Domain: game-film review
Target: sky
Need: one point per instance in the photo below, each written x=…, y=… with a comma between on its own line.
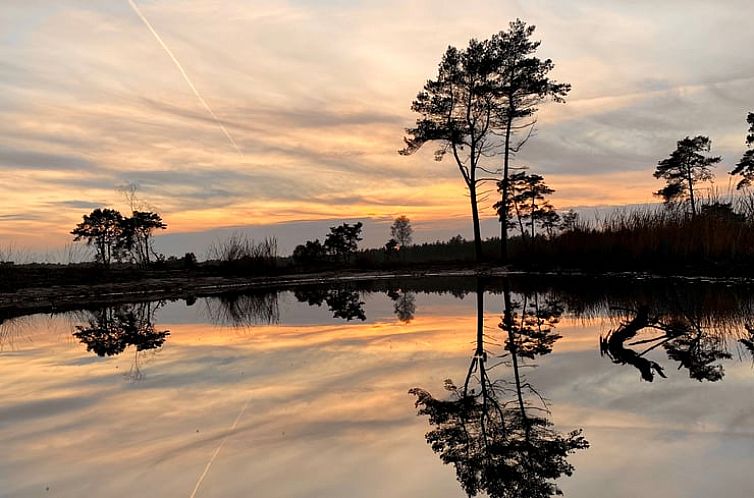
x=285, y=117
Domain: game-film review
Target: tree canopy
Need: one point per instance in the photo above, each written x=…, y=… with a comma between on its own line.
x=402, y=231
x=140, y=227
x=117, y=237
x=343, y=240
x=522, y=85
x=745, y=166
x=527, y=204
x=490, y=89
x=687, y=165
x=105, y=230
x=456, y=110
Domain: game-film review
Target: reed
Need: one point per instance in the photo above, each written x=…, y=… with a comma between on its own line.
x=240, y=252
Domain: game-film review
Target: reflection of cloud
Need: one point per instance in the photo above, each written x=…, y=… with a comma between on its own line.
x=330, y=401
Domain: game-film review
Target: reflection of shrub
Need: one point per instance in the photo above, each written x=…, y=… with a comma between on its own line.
x=244, y=309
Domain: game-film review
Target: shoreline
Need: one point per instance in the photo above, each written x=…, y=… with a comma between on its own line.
x=61, y=298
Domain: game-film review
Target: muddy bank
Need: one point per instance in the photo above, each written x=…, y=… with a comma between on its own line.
x=59, y=298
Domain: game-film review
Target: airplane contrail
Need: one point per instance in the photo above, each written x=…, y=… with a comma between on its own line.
x=185, y=75
x=219, y=447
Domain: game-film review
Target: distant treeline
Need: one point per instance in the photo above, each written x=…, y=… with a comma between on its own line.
x=718, y=239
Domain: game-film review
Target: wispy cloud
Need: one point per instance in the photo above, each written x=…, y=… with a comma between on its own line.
x=317, y=96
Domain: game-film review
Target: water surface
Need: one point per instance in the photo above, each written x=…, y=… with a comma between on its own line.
x=443, y=389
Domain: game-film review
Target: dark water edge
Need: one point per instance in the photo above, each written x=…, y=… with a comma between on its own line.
x=582, y=290
x=42, y=295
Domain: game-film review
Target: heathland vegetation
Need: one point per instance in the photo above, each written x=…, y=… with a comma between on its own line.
x=479, y=112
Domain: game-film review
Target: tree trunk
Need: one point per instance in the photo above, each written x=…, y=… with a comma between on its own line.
x=479, y=352
x=690, y=179
x=512, y=348
x=475, y=220
x=533, y=219
x=479, y=318
x=504, y=218
x=520, y=220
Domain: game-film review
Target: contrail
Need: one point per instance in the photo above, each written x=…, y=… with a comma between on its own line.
x=185, y=75
x=219, y=447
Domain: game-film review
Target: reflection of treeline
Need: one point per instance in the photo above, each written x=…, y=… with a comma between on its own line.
x=342, y=302
x=694, y=325
x=694, y=347
x=713, y=304
x=495, y=429
x=589, y=297
x=262, y=307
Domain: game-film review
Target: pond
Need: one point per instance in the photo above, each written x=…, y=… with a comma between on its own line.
x=515, y=387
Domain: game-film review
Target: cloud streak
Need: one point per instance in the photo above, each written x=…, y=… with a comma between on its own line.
x=185, y=75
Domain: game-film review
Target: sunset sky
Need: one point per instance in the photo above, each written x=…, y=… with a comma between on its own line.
x=307, y=101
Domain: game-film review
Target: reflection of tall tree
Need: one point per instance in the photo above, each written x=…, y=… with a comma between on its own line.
x=245, y=309
x=613, y=346
x=532, y=333
x=111, y=330
x=496, y=445
x=343, y=303
x=697, y=351
x=683, y=338
x=404, y=304
x=537, y=449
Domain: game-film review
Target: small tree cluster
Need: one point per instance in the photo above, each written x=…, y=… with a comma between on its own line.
x=401, y=235
x=340, y=243
x=343, y=240
x=527, y=205
x=119, y=238
x=483, y=96
x=311, y=252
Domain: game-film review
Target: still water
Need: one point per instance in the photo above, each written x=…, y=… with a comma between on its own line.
x=442, y=388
